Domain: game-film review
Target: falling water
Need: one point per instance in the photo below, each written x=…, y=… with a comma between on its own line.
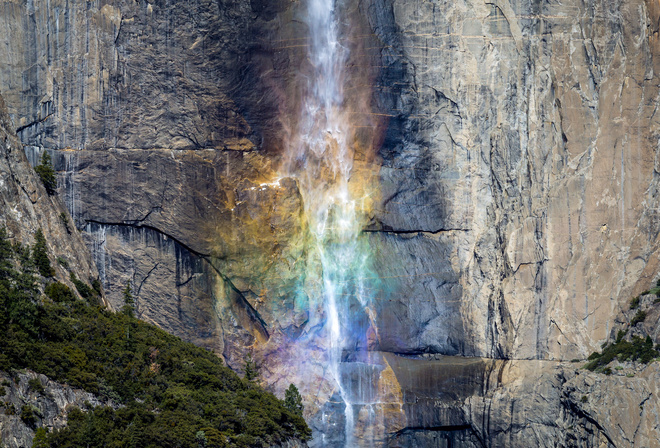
x=321, y=157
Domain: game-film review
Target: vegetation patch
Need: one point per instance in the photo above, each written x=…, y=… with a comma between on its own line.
x=85, y=291
x=639, y=349
x=35, y=385
x=46, y=173
x=30, y=415
x=634, y=303
x=173, y=394
x=40, y=255
x=640, y=316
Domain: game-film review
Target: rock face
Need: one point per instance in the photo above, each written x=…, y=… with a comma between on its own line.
x=517, y=174
x=523, y=135
x=50, y=406
x=25, y=207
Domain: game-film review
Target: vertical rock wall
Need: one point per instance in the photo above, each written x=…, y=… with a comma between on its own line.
x=522, y=134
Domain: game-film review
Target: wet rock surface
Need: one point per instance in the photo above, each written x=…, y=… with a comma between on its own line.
x=445, y=401
x=25, y=207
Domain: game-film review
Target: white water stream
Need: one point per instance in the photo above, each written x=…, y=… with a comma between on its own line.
x=321, y=158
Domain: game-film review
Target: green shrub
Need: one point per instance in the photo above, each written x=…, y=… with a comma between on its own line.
x=59, y=292
x=607, y=371
x=40, y=438
x=640, y=316
x=620, y=335
x=64, y=219
x=584, y=399
x=62, y=262
x=36, y=386
x=96, y=285
x=639, y=349
x=634, y=303
x=9, y=408
x=200, y=438
x=47, y=173
x=594, y=355
x=85, y=291
x=30, y=415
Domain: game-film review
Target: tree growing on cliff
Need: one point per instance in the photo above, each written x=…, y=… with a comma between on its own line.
x=129, y=302
x=46, y=173
x=250, y=368
x=293, y=400
x=6, y=255
x=40, y=255
x=40, y=439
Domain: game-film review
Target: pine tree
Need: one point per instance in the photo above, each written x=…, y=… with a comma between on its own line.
x=40, y=255
x=250, y=368
x=6, y=255
x=201, y=439
x=293, y=400
x=40, y=439
x=46, y=172
x=129, y=301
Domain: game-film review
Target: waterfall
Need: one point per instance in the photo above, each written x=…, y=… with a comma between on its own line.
x=321, y=157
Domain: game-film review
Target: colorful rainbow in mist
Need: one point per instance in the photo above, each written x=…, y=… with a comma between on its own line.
x=321, y=157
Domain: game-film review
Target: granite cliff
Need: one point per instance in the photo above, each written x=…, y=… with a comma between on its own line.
x=517, y=215
x=27, y=207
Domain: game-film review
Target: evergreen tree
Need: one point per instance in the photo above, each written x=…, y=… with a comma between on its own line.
x=250, y=368
x=201, y=439
x=129, y=301
x=40, y=439
x=24, y=256
x=46, y=172
x=40, y=255
x=6, y=255
x=18, y=289
x=293, y=400
x=85, y=291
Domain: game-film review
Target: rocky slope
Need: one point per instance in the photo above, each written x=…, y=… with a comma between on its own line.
x=517, y=173
x=49, y=406
x=25, y=207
